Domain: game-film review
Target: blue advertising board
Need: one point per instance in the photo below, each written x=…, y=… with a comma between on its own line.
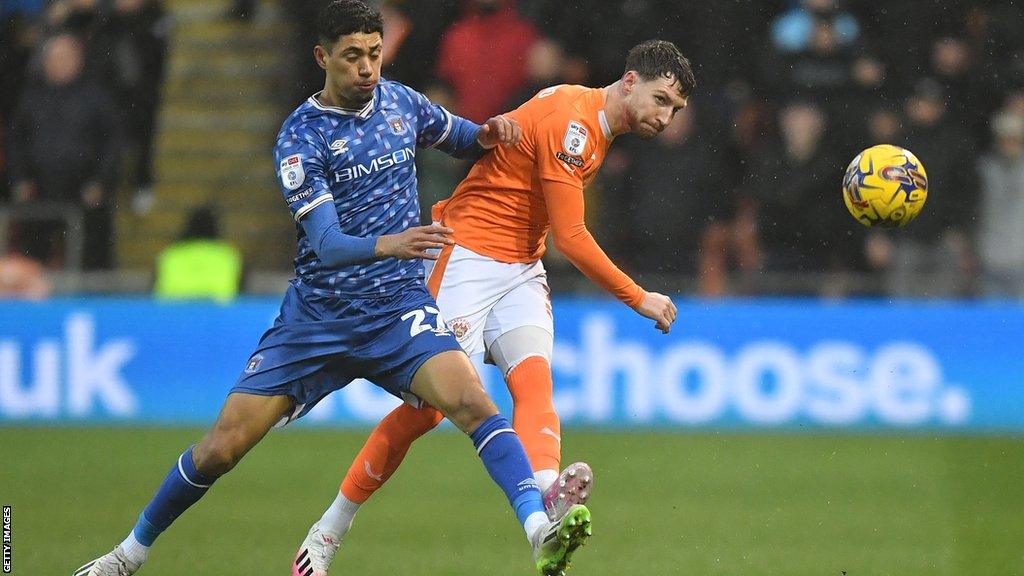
x=789, y=364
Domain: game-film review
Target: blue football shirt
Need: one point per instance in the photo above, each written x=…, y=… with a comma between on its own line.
x=363, y=161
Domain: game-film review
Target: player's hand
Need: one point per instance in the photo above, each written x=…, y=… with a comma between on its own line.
x=415, y=242
x=499, y=130
x=659, y=308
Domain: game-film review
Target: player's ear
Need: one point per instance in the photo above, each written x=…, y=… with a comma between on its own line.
x=320, y=54
x=629, y=80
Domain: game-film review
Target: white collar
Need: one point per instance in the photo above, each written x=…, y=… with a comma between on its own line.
x=603, y=120
x=363, y=112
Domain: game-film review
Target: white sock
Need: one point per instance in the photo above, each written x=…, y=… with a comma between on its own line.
x=338, y=518
x=534, y=522
x=545, y=478
x=135, y=551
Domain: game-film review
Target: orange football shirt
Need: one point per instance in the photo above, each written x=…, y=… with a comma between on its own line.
x=514, y=195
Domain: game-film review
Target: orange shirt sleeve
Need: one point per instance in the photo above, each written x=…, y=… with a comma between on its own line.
x=554, y=134
x=569, y=231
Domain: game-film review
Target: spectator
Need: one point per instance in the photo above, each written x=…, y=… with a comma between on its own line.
x=794, y=183
x=1001, y=217
x=931, y=257
x=482, y=56
x=22, y=277
x=200, y=265
x=65, y=148
x=544, y=68
x=412, y=33
x=671, y=206
x=969, y=97
x=134, y=39
x=794, y=30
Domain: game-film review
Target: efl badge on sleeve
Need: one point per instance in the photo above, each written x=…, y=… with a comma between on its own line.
x=292, y=174
x=575, y=139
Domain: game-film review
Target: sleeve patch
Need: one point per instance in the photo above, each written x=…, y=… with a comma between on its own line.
x=575, y=138
x=569, y=159
x=304, y=194
x=292, y=173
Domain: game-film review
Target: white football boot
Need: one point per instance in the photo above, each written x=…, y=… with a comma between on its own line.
x=315, y=555
x=113, y=563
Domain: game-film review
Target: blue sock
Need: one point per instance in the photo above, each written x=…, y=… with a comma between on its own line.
x=502, y=453
x=183, y=487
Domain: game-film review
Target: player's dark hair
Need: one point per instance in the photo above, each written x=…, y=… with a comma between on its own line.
x=662, y=59
x=343, y=17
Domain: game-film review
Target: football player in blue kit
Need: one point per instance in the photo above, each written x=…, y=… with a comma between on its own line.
x=358, y=307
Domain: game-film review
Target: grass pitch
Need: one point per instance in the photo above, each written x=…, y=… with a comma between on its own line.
x=703, y=504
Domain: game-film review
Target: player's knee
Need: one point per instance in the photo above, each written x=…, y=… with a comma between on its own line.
x=217, y=455
x=513, y=348
x=470, y=408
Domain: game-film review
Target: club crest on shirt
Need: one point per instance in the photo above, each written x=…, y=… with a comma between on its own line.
x=575, y=138
x=254, y=364
x=459, y=327
x=292, y=174
x=397, y=125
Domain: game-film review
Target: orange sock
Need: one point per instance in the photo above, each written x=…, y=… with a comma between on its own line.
x=534, y=416
x=385, y=449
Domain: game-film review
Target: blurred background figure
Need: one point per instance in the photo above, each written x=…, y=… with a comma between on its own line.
x=795, y=29
x=133, y=37
x=22, y=277
x=792, y=180
x=933, y=257
x=1001, y=214
x=930, y=86
x=65, y=147
x=200, y=265
x=483, y=57
x=545, y=66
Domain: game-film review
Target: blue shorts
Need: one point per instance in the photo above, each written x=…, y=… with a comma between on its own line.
x=318, y=345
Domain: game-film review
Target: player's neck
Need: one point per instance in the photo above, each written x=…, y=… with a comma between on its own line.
x=615, y=108
x=330, y=97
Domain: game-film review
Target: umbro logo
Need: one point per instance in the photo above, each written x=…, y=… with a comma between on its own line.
x=527, y=484
x=339, y=146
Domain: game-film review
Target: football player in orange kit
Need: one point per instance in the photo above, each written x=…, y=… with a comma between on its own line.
x=491, y=285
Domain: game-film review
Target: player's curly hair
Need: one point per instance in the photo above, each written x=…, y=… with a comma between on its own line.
x=660, y=58
x=342, y=17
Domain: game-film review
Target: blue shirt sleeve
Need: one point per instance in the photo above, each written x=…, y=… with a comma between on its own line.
x=332, y=246
x=439, y=128
x=301, y=162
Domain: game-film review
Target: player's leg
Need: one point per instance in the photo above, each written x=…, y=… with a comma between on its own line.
x=523, y=355
x=378, y=459
x=449, y=382
x=243, y=421
x=453, y=280
x=519, y=339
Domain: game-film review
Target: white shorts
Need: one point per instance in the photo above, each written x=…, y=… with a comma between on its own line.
x=482, y=298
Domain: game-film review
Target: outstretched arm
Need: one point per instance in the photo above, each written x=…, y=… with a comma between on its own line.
x=573, y=239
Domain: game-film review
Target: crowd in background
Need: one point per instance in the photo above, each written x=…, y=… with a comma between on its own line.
x=741, y=193
x=82, y=83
